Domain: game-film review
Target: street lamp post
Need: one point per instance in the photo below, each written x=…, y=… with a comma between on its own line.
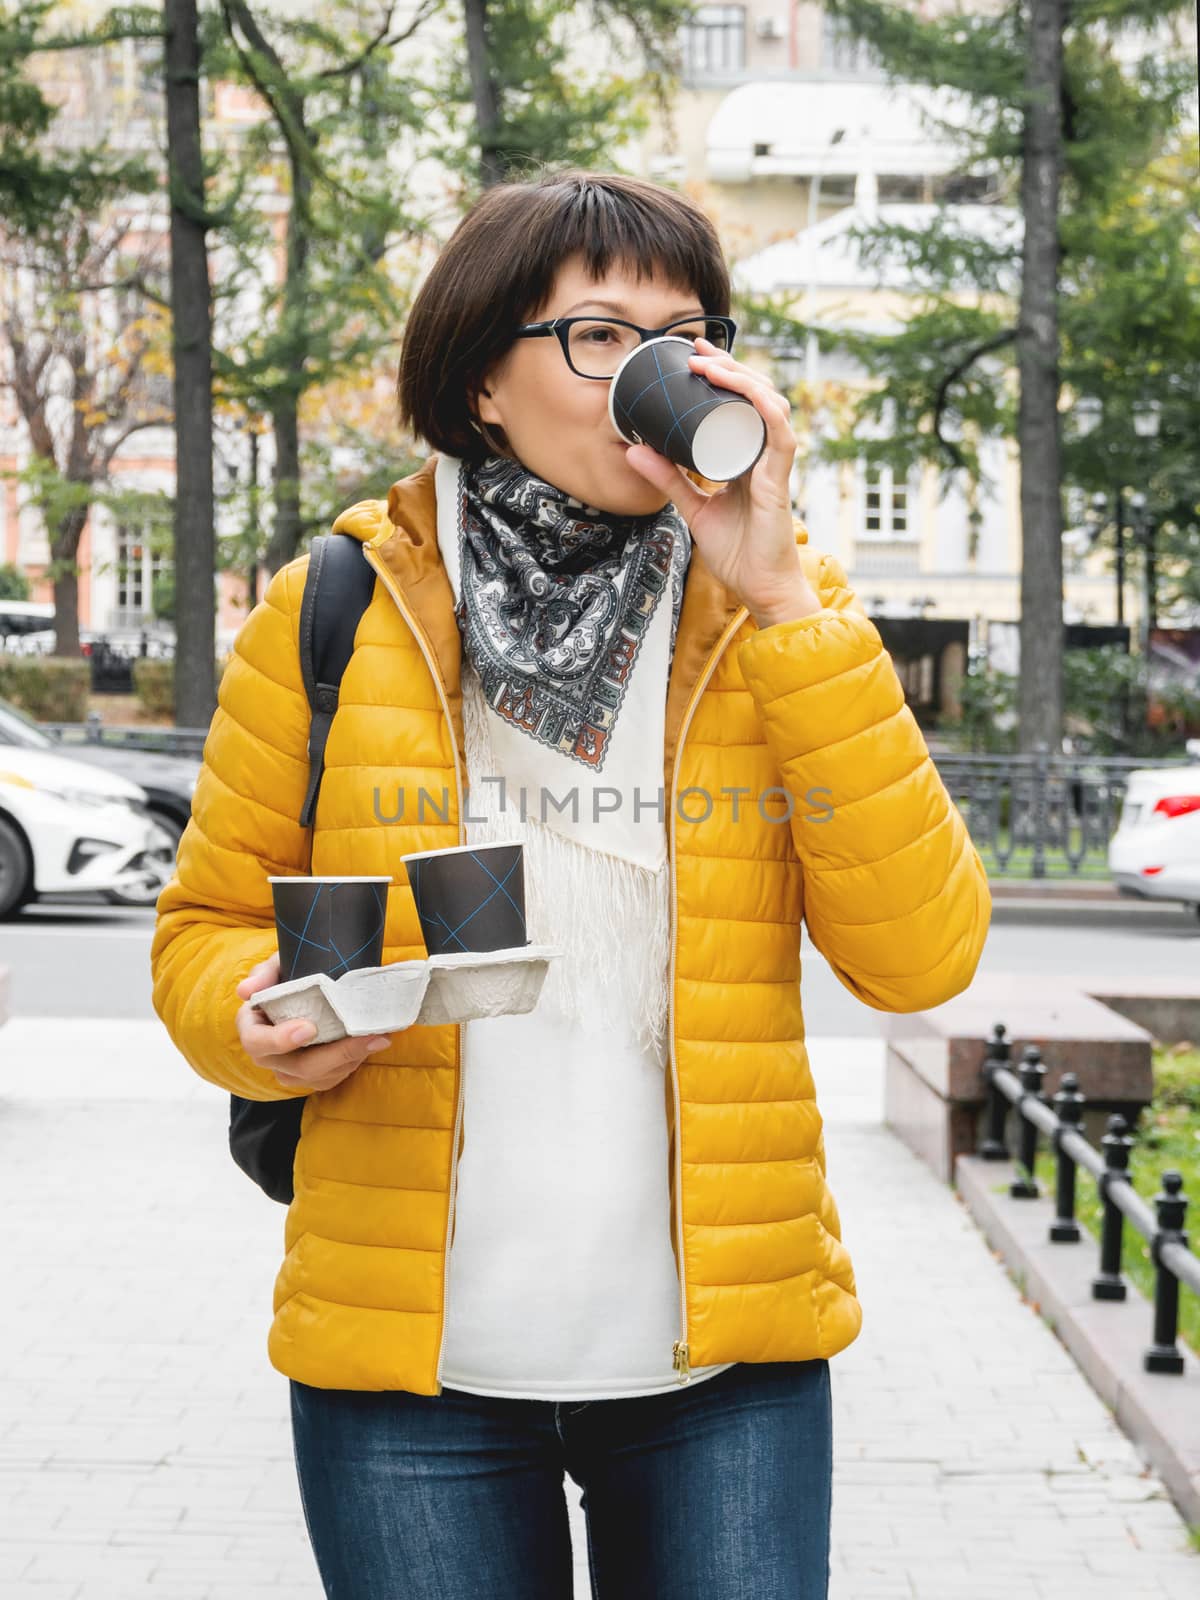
x=1146, y=417
x=1089, y=414
x=814, y=213
x=1144, y=531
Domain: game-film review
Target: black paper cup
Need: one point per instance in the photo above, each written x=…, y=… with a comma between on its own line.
x=332, y=925
x=655, y=398
x=469, y=897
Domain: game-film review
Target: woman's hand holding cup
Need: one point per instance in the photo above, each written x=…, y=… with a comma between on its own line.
x=281, y=1047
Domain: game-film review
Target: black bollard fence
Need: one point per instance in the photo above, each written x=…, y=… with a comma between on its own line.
x=1068, y=1104
x=1162, y=1226
x=1109, y=1284
x=999, y=1051
x=1033, y=1073
x=1170, y=1207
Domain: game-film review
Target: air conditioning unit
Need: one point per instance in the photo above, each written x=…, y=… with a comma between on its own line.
x=769, y=28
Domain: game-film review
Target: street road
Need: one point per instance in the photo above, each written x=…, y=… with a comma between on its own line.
x=76, y=960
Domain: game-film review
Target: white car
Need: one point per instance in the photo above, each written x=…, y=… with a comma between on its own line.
x=66, y=827
x=1155, y=852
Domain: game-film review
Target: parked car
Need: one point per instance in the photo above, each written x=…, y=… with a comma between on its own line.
x=26, y=627
x=166, y=783
x=66, y=827
x=1155, y=852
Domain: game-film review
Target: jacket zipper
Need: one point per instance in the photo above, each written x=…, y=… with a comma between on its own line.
x=679, y=1350
x=419, y=635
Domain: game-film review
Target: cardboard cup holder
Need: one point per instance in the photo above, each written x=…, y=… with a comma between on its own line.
x=437, y=990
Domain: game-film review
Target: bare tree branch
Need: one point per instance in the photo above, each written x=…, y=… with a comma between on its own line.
x=427, y=9
x=111, y=446
x=288, y=115
x=949, y=379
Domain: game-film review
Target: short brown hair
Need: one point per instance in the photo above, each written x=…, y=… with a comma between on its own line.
x=500, y=264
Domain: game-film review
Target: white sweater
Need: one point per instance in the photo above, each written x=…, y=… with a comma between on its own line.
x=562, y=1279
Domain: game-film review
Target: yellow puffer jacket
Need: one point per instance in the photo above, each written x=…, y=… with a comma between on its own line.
x=884, y=875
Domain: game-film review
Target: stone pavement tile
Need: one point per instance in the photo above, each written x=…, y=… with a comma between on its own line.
x=100, y=1589
x=16, y=1555
x=955, y=1587
x=890, y=1587
x=239, y=1591
x=71, y=1564
x=44, y=1591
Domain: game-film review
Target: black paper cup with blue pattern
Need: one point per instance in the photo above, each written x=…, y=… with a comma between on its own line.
x=469, y=898
x=331, y=925
x=655, y=398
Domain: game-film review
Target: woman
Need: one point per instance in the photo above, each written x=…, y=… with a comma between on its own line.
x=596, y=1239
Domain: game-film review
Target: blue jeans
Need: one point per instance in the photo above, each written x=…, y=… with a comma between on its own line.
x=719, y=1491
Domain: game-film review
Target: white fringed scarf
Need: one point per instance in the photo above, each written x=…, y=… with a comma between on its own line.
x=598, y=889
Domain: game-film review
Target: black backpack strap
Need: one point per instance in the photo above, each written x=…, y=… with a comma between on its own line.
x=337, y=590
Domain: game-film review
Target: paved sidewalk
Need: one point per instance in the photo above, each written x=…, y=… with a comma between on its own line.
x=144, y=1448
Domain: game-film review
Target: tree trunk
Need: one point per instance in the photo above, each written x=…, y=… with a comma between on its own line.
x=484, y=93
x=1040, y=692
x=64, y=555
x=285, y=535
x=252, y=555
x=285, y=414
x=191, y=310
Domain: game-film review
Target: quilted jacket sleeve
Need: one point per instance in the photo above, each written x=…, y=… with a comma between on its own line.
x=896, y=897
x=215, y=916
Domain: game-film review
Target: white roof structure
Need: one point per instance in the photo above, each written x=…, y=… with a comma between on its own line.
x=834, y=127
x=827, y=256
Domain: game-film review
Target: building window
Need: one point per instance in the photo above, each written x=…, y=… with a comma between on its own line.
x=896, y=188
x=842, y=53
x=965, y=188
x=137, y=568
x=886, y=505
x=713, y=42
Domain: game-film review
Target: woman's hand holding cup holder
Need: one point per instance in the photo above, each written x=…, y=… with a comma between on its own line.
x=283, y=1047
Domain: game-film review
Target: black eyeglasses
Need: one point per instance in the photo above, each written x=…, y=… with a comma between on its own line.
x=595, y=347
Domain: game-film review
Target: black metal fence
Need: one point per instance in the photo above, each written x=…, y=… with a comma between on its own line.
x=1161, y=1227
x=111, y=668
x=1042, y=815
x=165, y=741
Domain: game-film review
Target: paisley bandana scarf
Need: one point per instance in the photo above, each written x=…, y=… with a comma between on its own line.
x=556, y=599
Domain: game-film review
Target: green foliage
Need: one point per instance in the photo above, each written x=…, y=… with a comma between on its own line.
x=1129, y=306
x=162, y=596
x=987, y=722
x=14, y=585
x=334, y=124
x=1177, y=1076
x=50, y=688
x=1108, y=696
x=555, y=110
x=1132, y=336
x=58, y=498
x=40, y=184
x=154, y=686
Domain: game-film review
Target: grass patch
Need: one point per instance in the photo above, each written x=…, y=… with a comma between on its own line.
x=1167, y=1136
x=1093, y=868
